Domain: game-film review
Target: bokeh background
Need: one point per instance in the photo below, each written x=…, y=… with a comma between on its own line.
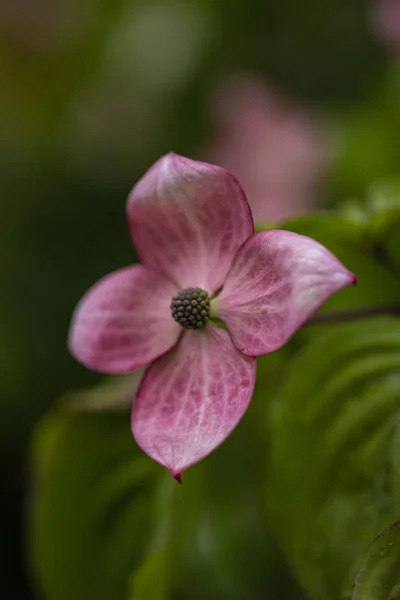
x=300, y=100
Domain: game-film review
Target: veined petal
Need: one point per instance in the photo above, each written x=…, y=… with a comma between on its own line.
x=124, y=321
x=191, y=399
x=276, y=281
x=187, y=220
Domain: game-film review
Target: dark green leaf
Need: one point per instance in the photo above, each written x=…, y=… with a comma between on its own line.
x=128, y=530
x=93, y=504
x=333, y=473
x=379, y=576
x=152, y=579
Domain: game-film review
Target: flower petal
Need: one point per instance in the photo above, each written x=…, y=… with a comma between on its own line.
x=188, y=219
x=191, y=399
x=277, y=280
x=124, y=321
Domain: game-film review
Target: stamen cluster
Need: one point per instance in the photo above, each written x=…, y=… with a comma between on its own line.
x=191, y=308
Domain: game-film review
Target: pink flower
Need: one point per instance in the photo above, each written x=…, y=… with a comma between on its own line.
x=277, y=150
x=201, y=260
x=386, y=22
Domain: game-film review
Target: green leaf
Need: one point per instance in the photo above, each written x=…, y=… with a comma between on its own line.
x=391, y=239
x=379, y=576
x=152, y=579
x=115, y=394
x=379, y=216
x=333, y=473
x=107, y=522
x=370, y=138
x=392, y=246
x=93, y=503
x=328, y=225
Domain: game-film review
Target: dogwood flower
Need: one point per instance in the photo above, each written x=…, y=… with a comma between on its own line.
x=386, y=23
x=202, y=264
x=277, y=150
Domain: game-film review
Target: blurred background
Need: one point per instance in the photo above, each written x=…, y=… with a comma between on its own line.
x=300, y=100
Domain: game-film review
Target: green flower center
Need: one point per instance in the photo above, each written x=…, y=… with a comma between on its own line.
x=191, y=308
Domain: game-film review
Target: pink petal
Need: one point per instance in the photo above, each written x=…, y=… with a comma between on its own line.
x=191, y=399
x=188, y=219
x=277, y=280
x=124, y=321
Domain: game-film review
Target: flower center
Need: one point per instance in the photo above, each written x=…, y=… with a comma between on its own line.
x=191, y=308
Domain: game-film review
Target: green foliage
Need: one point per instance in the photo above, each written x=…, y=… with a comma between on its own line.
x=367, y=244
x=334, y=459
x=93, y=486
x=371, y=139
x=379, y=576
x=38, y=91
x=330, y=400
x=153, y=577
x=92, y=93
x=128, y=530
x=376, y=284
